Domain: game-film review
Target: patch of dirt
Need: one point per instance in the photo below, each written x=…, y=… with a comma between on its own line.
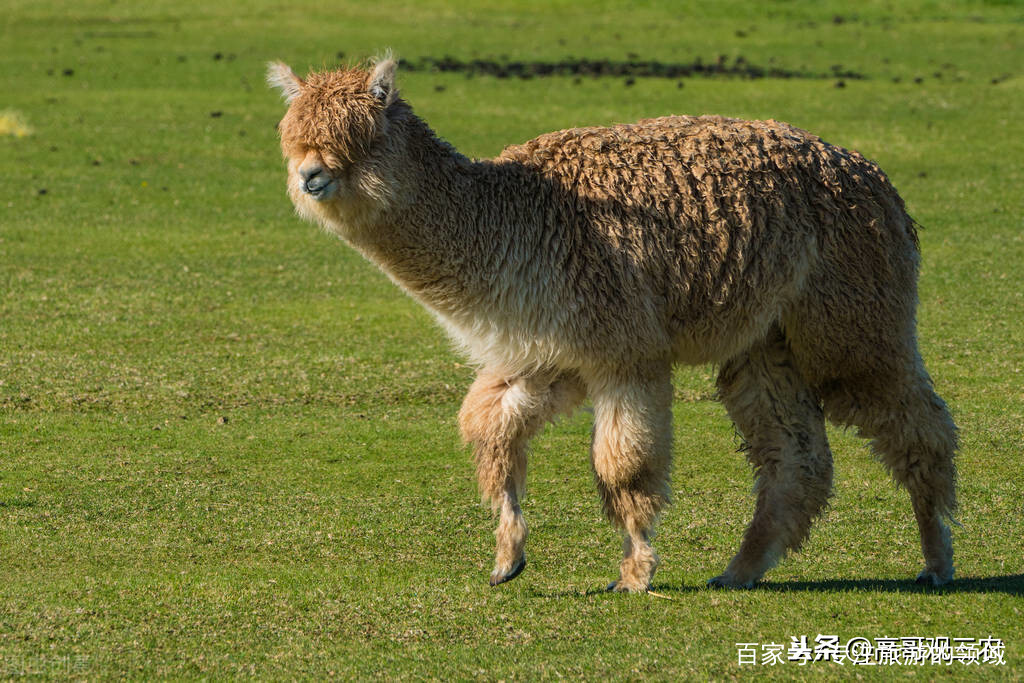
x=504, y=67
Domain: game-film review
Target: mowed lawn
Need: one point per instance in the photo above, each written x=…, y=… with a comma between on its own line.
x=228, y=445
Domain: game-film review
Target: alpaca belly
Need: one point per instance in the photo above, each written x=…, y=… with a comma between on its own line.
x=514, y=351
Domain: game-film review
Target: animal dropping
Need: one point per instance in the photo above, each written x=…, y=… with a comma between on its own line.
x=586, y=262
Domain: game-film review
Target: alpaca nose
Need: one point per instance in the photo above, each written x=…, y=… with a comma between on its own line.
x=314, y=178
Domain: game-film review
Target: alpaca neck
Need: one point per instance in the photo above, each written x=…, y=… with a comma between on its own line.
x=445, y=237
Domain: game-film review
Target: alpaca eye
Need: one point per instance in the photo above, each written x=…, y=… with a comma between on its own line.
x=379, y=92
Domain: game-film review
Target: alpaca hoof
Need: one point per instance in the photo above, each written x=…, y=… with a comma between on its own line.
x=621, y=586
x=929, y=577
x=725, y=581
x=500, y=577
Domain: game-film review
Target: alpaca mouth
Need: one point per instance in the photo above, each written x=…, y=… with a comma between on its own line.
x=320, y=191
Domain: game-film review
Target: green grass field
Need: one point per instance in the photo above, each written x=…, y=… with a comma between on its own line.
x=228, y=445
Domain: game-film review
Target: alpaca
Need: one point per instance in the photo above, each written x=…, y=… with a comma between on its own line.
x=585, y=262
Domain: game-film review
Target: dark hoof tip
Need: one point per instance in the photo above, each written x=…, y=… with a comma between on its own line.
x=718, y=582
x=498, y=579
x=928, y=578
x=721, y=581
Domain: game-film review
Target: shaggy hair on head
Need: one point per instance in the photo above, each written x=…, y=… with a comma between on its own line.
x=586, y=262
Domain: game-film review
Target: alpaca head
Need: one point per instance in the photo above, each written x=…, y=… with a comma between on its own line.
x=334, y=124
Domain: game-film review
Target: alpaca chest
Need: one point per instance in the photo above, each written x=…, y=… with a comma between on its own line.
x=515, y=348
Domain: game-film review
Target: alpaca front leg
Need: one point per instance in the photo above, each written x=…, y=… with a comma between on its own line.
x=501, y=473
x=631, y=456
x=499, y=416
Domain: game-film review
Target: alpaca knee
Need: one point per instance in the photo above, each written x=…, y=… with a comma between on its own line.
x=919, y=452
x=500, y=469
x=635, y=507
x=929, y=478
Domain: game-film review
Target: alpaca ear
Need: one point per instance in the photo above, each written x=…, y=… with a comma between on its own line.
x=382, y=80
x=281, y=76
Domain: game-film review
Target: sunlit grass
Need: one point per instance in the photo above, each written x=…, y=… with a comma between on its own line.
x=227, y=443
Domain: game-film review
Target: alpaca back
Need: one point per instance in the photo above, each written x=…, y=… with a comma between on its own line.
x=711, y=226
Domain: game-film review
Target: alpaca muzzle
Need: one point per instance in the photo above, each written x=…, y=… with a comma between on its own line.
x=315, y=182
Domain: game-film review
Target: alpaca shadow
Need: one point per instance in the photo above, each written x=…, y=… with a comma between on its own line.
x=1010, y=585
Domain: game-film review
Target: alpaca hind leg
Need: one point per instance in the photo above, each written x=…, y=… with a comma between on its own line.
x=631, y=457
x=782, y=423
x=499, y=416
x=914, y=436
